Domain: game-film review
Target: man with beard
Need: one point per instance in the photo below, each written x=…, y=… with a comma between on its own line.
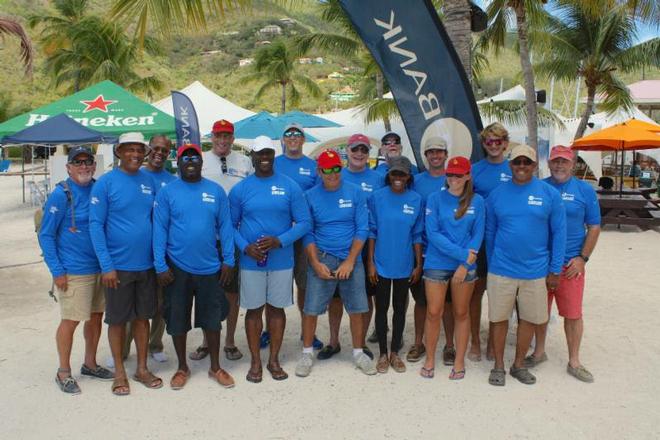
x=120, y=227
x=187, y=260
x=69, y=255
x=391, y=147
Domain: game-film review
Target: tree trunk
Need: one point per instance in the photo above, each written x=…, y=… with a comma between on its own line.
x=591, y=96
x=380, y=89
x=528, y=76
x=283, y=107
x=457, y=23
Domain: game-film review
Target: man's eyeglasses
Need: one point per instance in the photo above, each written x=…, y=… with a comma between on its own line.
x=80, y=162
x=454, y=175
x=522, y=161
x=290, y=134
x=193, y=159
x=360, y=148
x=391, y=142
x=333, y=170
x=496, y=142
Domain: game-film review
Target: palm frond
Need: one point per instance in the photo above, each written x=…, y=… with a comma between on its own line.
x=12, y=27
x=515, y=113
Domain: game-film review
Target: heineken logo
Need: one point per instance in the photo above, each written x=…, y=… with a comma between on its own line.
x=102, y=121
x=99, y=103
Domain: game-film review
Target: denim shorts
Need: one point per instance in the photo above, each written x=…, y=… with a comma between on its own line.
x=351, y=291
x=443, y=276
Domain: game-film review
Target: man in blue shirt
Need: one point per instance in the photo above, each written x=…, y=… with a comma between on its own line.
x=525, y=242
x=302, y=170
x=187, y=260
x=269, y=214
x=120, y=227
x=69, y=255
x=340, y=224
x=583, y=229
x=390, y=147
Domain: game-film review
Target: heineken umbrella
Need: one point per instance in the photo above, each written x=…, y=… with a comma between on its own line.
x=104, y=107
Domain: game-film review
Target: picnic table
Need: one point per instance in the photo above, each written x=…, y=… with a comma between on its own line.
x=645, y=192
x=628, y=209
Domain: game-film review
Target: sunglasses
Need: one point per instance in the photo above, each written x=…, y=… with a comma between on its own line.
x=497, y=142
x=391, y=142
x=334, y=170
x=193, y=159
x=522, y=161
x=360, y=148
x=458, y=176
x=80, y=162
x=295, y=134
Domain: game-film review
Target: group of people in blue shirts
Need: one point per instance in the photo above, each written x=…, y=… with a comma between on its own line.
x=140, y=244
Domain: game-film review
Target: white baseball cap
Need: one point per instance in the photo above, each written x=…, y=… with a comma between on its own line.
x=262, y=143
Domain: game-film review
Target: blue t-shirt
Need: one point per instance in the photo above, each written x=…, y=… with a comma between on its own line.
x=185, y=213
x=582, y=209
x=161, y=178
x=426, y=184
x=338, y=217
x=450, y=239
x=396, y=222
x=268, y=206
x=525, y=230
x=120, y=221
x=301, y=170
x=68, y=251
x=368, y=180
x=384, y=167
x=487, y=176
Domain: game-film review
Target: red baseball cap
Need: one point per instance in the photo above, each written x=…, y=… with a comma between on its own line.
x=561, y=151
x=328, y=159
x=183, y=148
x=358, y=139
x=223, y=126
x=458, y=165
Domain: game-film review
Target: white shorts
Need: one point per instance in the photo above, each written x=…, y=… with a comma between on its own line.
x=260, y=287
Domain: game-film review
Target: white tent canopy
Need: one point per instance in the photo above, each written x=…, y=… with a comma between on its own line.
x=209, y=106
x=515, y=93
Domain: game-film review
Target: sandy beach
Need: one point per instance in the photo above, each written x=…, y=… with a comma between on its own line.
x=620, y=347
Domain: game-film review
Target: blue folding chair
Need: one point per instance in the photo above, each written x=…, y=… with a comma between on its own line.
x=4, y=165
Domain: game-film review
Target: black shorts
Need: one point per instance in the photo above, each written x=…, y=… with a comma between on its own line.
x=232, y=286
x=482, y=262
x=211, y=306
x=368, y=287
x=134, y=297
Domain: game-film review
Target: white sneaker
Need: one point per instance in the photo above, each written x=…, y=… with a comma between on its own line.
x=304, y=366
x=159, y=356
x=365, y=364
x=110, y=362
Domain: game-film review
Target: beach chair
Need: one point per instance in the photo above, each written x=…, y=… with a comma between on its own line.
x=4, y=165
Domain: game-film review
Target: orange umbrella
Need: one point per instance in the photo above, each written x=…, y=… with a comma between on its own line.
x=629, y=135
x=636, y=123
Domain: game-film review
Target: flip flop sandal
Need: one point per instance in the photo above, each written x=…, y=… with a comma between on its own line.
x=150, y=381
x=254, y=377
x=277, y=373
x=233, y=353
x=427, y=373
x=179, y=379
x=497, y=377
x=120, y=382
x=523, y=375
x=199, y=354
x=456, y=375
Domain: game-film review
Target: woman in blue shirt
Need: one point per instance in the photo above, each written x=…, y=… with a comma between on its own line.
x=455, y=221
x=394, y=254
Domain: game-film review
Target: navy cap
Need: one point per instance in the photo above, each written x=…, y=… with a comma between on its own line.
x=75, y=151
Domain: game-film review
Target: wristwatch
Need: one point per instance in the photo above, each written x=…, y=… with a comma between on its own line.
x=584, y=257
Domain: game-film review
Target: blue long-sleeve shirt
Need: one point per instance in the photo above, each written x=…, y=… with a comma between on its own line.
x=525, y=230
x=68, y=251
x=426, y=184
x=160, y=178
x=368, y=180
x=301, y=170
x=120, y=221
x=338, y=217
x=487, y=176
x=396, y=222
x=582, y=209
x=187, y=216
x=450, y=239
x=268, y=206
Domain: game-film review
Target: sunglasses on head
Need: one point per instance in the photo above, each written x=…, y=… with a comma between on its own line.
x=455, y=175
x=522, y=161
x=193, y=159
x=295, y=133
x=79, y=162
x=391, y=142
x=360, y=148
x=333, y=170
x=497, y=142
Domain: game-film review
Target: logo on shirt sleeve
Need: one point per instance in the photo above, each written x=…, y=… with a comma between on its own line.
x=343, y=203
x=94, y=201
x=53, y=209
x=208, y=198
x=407, y=209
x=536, y=201
x=304, y=171
x=146, y=189
x=277, y=191
x=428, y=211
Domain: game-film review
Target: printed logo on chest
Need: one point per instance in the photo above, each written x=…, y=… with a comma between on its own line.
x=277, y=191
x=535, y=201
x=146, y=189
x=407, y=209
x=208, y=198
x=304, y=171
x=343, y=203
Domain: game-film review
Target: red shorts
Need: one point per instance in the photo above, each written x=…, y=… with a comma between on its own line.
x=568, y=296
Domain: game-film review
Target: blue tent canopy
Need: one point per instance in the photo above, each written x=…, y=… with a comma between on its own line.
x=60, y=129
x=307, y=120
x=263, y=124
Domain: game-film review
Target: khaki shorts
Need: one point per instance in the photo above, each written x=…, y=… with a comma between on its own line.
x=532, y=297
x=83, y=296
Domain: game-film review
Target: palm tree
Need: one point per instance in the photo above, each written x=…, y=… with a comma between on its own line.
x=595, y=47
x=275, y=65
x=456, y=20
x=12, y=27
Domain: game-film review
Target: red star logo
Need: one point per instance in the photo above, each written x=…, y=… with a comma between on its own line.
x=99, y=103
